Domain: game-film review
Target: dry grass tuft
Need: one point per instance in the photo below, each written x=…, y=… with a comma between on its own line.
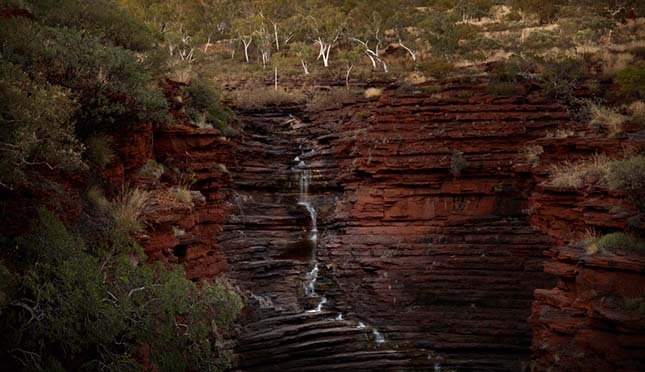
x=129, y=207
x=606, y=119
x=532, y=154
x=570, y=174
x=183, y=195
x=373, y=92
x=560, y=133
x=96, y=197
x=637, y=109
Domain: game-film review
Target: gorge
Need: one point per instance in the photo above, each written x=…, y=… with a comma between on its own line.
x=282, y=185
x=359, y=249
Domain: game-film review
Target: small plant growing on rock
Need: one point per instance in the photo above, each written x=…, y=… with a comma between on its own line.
x=570, y=174
x=560, y=133
x=629, y=175
x=637, y=111
x=129, y=207
x=532, y=154
x=621, y=242
x=183, y=195
x=152, y=169
x=606, y=119
x=458, y=163
x=97, y=198
x=99, y=150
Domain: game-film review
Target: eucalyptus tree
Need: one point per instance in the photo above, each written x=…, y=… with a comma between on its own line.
x=279, y=14
x=246, y=29
x=327, y=25
x=303, y=51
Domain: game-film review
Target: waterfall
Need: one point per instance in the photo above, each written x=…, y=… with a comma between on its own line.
x=312, y=276
x=303, y=200
x=378, y=337
x=305, y=180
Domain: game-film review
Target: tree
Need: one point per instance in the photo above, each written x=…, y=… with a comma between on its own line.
x=350, y=57
x=303, y=51
x=328, y=24
x=245, y=28
x=76, y=304
x=36, y=126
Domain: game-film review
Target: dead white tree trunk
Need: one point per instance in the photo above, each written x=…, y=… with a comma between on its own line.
x=373, y=56
x=246, y=40
x=275, y=78
x=275, y=33
x=305, y=66
x=325, y=49
x=349, y=69
x=208, y=44
x=412, y=53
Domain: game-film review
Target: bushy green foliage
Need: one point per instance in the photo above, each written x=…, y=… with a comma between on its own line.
x=203, y=103
x=562, y=76
x=102, y=18
x=76, y=309
x=99, y=150
x=620, y=242
x=632, y=80
x=629, y=175
x=35, y=126
x=108, y=82
x=541, y=39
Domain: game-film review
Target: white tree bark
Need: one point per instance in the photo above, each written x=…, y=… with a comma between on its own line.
x=275, y=78
x=372, y=54
x=247, y=42
x=305, y=66
x=412, y=53
x=349, y=69
x=275, y=33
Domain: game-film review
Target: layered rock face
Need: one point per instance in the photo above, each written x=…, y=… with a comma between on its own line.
x=593, y=319
x=422, y=233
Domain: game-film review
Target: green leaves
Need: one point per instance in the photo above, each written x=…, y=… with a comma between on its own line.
x=109, y=82
x=71, y=307
x=35, y=126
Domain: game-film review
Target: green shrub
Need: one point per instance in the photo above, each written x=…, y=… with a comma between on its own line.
x=227, y=130
x=632, y=80
x=35, y=126
x=620, y=242
x=99, y=150
x=562, y=76
x=203, y=103
x=110, y=84
x=152, y=169
x=457, y=163
x=629, y=175
x=541, y=39
x=99, y=17
x=69, y=303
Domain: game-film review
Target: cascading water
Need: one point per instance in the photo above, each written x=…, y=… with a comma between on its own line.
x=303, y=200
x=312, y=276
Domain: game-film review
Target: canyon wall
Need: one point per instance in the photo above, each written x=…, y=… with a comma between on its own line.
x=432, y=242
x=594, y=317
x=439, y=263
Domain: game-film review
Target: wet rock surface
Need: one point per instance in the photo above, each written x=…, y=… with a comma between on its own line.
x=439, y=263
